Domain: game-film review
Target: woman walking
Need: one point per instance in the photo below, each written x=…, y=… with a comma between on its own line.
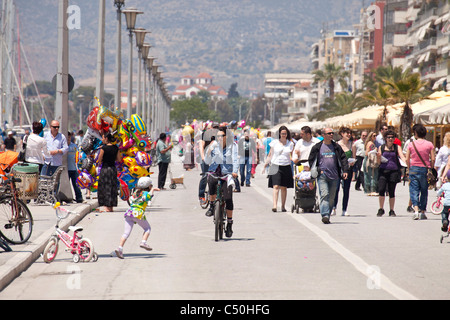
x=420, y=157
x=389, y=173
x=346, y=145
x=370, y=166
x=280, y=173
x=107, y=181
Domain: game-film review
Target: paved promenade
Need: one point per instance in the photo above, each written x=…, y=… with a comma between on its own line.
x=270, y=256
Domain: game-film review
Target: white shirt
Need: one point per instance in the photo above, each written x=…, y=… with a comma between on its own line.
x=281, y=154
x=359, y=145
x=304, y=147
x=36, y=149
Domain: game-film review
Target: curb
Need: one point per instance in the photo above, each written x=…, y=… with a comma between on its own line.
x=22, y=260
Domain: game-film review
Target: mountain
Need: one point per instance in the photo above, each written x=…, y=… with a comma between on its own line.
x=233, y=40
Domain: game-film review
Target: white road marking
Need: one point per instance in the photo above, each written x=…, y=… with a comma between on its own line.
x=384, y=282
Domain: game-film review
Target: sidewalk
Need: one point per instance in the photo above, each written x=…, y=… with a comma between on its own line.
x=15, y=262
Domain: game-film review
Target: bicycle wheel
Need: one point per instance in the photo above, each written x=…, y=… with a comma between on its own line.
x=218, y=222
x=436, y=207
x=16, y=225
x=51, y=249
x=85, y=249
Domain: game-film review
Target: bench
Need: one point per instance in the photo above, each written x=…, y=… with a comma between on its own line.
x=49, y=187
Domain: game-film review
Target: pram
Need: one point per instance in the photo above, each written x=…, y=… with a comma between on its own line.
x=305, y=189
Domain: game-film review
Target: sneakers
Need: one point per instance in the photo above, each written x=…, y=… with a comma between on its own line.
x=421, y=216
x=410, y=209
x=202, y=201
x=229, y=230
x=119, y=253
x=380, y=212
x=210, y=211
x=392, y=213
x=145, y=246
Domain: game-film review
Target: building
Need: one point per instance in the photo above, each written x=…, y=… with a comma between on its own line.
x=429, y=45
x=341, y=48
x=191, y=86
x=294, y=90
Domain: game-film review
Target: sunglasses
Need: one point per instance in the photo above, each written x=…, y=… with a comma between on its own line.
x=329, y=133
x=56, y=127
x=390, y=137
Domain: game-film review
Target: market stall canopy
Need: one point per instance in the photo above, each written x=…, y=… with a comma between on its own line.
x=437, y=116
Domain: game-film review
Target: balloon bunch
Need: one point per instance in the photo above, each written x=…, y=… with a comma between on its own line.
x=131, y=138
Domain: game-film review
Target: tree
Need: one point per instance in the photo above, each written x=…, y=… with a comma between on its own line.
x=330, y=74
x=232, y=92
x=406, y=87
x=187, y=110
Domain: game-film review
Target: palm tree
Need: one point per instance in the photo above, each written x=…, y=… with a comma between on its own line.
x=330, y=74
x=406, y=88
x=343, y=103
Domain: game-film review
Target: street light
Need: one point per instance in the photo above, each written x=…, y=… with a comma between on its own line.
x=118, y=94
x=130, y=15
x=145, y=49
x=140, y=38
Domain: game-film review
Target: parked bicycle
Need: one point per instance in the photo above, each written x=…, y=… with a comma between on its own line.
x=16, y=221
x=81, y=248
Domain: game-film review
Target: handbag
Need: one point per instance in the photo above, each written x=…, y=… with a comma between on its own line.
x=431, y=172
x=22, y=154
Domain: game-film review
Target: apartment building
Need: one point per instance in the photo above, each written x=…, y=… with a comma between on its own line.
x=429, y=45
x=293, y=89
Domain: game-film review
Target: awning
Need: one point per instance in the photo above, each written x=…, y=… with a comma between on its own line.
x=442, y=19
x=438, y=83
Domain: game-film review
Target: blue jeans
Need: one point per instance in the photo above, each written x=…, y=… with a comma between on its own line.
x=73, y=175
x=327, y=192
x=346, y=189
x=246, y=174
x=418, y=187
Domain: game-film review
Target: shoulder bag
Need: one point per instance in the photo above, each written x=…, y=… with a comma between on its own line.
x=431, y=173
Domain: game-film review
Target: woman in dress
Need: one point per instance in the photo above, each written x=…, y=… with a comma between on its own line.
x=107, y=181
x=279, y=157
x=370, y=166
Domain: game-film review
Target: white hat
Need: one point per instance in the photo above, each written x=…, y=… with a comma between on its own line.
x=10, y=132
x=144, y=183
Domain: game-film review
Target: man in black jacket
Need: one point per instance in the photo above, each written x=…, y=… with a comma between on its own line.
x=328, y=158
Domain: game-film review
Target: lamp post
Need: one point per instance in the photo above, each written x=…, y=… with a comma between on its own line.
x=145, y=49
x=140, y=38
x=130, y=16
x=118, y=94
x=149, y=120
x=100, y=81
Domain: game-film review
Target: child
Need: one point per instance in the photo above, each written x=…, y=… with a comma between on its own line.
x=445, y=189
x=304, y=180
x=136, y=214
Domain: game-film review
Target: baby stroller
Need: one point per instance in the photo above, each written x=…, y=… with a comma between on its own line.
x=304, y=191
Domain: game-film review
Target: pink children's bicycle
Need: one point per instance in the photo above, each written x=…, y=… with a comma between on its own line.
x=80, y=248
x=438, y=205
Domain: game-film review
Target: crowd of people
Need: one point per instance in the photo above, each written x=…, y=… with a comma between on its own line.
x=375, y=161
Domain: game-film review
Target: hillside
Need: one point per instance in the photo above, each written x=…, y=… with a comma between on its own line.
x=234, y=40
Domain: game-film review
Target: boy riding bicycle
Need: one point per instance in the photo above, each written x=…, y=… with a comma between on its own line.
x=222, y=157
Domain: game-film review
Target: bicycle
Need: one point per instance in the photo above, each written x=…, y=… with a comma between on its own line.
x=81, y=248
x=205, y=204
x=220, y=214
x=437, y=206
x=16, y=221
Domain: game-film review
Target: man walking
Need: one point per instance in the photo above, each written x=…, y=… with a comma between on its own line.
x=331, y=163
x=246, y=150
